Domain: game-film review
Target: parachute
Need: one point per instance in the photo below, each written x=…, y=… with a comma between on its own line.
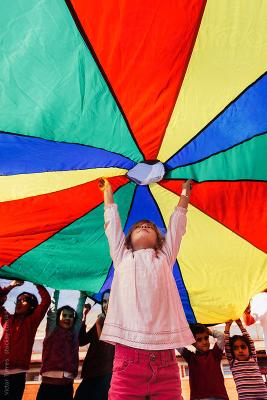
x=146, y=94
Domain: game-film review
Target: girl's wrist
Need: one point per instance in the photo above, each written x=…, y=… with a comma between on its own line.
x=185, y=193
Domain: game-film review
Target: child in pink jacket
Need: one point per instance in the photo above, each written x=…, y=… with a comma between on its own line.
x=145, y=318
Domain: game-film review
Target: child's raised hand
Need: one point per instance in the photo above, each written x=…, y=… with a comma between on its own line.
x=103, y=184
x=228, y=326
x=187, y=188
x=210, y=331
x=86, y=308
x=185, y=194
x=17, y=282
x=248, y=309
x=187, y=185
x=106, y=188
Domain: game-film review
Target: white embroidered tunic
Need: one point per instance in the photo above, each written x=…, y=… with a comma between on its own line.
x=145, y=309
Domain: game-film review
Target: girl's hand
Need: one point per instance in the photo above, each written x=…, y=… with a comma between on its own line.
x=187, y=185
x=106, y=188
x=16, y=282
x=210, y=331
x=86, y=309
x=228, y=325
x=103, y=184
x=248, y=309
x=185, y=194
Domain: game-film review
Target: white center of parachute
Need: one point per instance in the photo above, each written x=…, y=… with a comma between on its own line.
x=146, y=173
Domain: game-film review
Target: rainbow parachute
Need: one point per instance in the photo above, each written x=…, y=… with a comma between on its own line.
x=140, y=92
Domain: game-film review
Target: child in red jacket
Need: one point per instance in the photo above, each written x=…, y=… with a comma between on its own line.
x=16, y=344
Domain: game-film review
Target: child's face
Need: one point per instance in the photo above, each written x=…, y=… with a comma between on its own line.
x=66, y=319
x=105, y=303
x=202, y=342
x=241, y=350
x=23, y=306
x=144, y=236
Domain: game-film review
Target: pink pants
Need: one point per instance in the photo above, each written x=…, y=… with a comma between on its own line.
x=143, y=374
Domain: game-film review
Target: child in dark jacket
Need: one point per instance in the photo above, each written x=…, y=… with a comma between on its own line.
x=16, y=344
x=205, y=374
x=60, y=356
x=98, y=363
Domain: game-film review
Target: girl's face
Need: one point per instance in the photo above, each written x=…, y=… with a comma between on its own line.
x=23, y=306
x=66, y=319
x=241, y=350
x=105, y=302
x=144, y=236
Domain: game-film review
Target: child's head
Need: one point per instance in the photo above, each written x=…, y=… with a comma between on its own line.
x=26, y=303
x=201, y=334
x=144, y=235
x=66, y=317
x=240, y=347
x=105, y=301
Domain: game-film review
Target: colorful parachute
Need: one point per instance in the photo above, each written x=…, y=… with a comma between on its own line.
x=92, y=88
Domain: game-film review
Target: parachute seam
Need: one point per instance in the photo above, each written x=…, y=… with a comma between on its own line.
x=67, y=143
x=206, y=214
x=217, y=116
x=101, y=69
x=190, y=52
x=219, y=152
x=77, y=219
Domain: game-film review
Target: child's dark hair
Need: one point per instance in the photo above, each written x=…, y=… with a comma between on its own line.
x=198, y=328
x=31, y=299
x=160, y=237
x=243, y=338
x=66, y=308
x=103, y=294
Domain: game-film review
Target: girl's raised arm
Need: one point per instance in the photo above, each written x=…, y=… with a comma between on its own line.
x=79, y=311
x=113, y=229
x=177, y=225
x=185, y=195
x=52, y=313
x=245, y=333
x=106, y=188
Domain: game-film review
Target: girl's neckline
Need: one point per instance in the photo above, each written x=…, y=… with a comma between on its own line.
x=150, y=249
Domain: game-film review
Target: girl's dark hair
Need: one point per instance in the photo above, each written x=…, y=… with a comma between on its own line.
x=103, y=294
x=160, y=237
x=59, y=310
x=244, y=339
x=31, y=299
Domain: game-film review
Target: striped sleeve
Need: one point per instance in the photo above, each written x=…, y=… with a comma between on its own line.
x=251, y=342
x=227, y=348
